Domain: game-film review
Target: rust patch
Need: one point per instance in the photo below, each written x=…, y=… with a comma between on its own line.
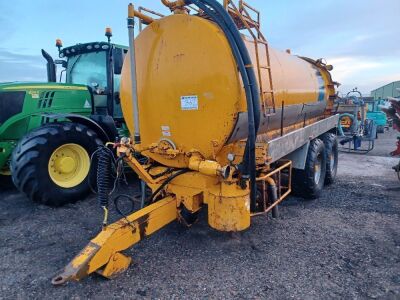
x=143, y=222
x=77, y=271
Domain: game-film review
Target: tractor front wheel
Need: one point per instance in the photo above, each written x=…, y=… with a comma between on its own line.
x=51, y=164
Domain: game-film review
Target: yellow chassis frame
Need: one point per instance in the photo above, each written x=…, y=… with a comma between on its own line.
x=104, y=251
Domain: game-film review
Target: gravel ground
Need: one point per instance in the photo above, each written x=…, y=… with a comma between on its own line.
x=344, y=245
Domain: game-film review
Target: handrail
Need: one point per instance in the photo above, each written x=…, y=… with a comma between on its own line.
x=142, y=21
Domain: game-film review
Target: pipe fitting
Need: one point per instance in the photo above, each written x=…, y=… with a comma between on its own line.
x=206, y=167
x=132, y=12
x=174, y=4
x=177, y=7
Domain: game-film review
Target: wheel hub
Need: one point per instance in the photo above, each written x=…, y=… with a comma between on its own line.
x=69, y=165
x=65, y=165
x=332, y=162
x=317, y=169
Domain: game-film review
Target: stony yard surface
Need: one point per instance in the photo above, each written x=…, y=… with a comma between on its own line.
x=344, y=245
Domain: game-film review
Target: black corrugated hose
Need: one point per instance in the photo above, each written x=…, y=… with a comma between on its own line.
x=220, y=16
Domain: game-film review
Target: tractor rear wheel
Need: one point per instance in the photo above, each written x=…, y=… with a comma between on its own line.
x=51, y=164
x=308, y=183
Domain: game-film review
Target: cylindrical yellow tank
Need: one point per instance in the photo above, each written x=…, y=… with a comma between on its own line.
x=191, y=95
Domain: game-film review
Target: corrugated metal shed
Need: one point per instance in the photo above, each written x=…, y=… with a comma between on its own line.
x=389, y=90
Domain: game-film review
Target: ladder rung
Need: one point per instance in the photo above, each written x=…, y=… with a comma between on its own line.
x=265, y=67
x=268, y=92
x=262, y=42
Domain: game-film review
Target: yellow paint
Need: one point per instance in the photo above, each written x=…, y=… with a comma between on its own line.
x=69, y=165
x=229, y=208
x=104, y=250
x=187, y=56
x=206, y=167
x=117, y=264
x=131, y=11
x=171, y=64
x=346, y=121
x=190, y=94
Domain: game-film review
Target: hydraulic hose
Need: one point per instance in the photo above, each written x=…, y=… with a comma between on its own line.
x=162, y=186
x=250, y=147
x=220, y=16
x=245, y=56
x=103, y=176
x=239, y=61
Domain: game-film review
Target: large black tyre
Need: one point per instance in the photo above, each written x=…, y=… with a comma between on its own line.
x=332, y=157
x=308, y=183
x=32, y=161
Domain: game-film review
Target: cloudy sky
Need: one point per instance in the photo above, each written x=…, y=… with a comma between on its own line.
x=361, y=38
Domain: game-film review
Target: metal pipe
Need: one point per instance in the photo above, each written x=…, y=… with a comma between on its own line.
x=173, y=4
x=146, y=19
x=273, y=195
x=132, y=56
x=51, y=67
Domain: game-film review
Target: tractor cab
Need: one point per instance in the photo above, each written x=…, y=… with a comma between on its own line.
x=96, y=65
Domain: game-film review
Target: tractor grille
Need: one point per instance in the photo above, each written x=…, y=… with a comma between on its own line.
x=11, y=103
x=46, y=99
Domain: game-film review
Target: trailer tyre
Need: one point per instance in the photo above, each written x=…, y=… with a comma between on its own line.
x=332, y=157
x=51, y=164
x=308, y=183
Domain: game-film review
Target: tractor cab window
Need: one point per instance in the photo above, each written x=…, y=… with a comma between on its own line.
x=88, y=69
x=117, y=82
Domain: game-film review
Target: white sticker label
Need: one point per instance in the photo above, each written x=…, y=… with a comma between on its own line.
x=87, y=104
x=34, y=94
x=190, y=102
x=166, y=131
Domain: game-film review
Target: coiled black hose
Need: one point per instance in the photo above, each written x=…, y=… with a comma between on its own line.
x=103, y=176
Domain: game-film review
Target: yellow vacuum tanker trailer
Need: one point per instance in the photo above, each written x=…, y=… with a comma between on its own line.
x=224, y=121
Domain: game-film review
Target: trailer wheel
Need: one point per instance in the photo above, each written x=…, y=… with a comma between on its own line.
x=51, y=164
x=308, y=183
x=332, y=157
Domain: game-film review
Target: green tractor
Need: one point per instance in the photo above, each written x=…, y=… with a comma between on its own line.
x=49, y=131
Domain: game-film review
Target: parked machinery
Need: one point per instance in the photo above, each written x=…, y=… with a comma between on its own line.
x=375, y=113
x=393, y=112
x=49, y=131
x=354, y=128
x=223, y=119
